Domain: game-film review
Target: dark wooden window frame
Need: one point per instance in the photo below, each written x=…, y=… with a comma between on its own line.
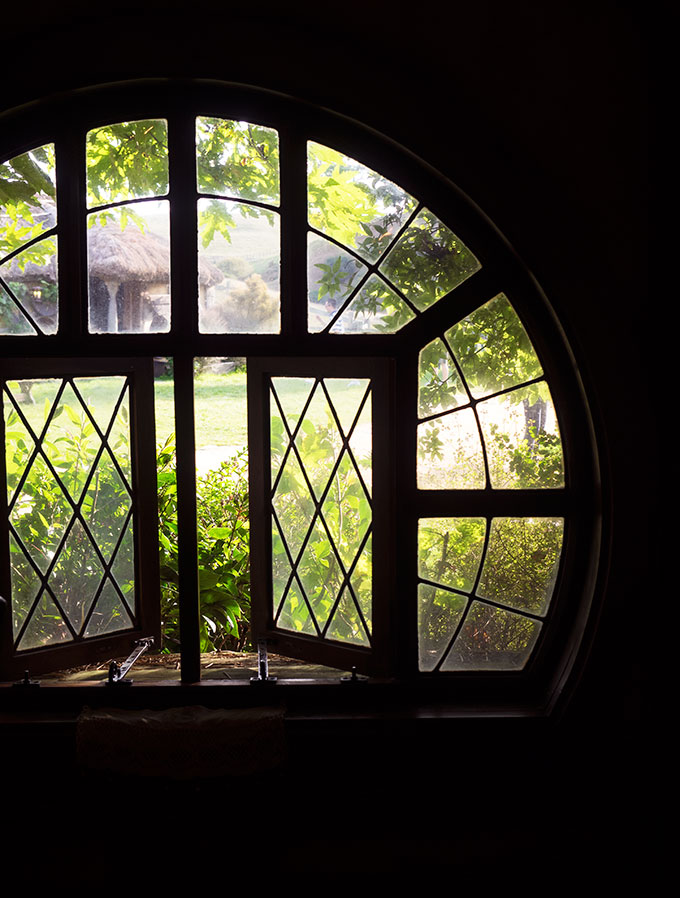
x=65, y=120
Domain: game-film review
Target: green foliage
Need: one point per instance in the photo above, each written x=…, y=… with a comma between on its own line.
x=493, y=349
x=337, y=277
x=237, y=159
x=428, y=261
x=127, y=160
x=223, y=554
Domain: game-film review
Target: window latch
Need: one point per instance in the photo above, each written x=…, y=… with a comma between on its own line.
x=117, y=672
x=262, y=665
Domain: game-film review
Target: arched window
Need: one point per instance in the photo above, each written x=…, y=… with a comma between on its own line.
x=422, y=479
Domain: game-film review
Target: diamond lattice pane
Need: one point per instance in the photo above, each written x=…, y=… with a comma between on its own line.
x=361, y=580
x=76, y=575
x=347, y=510
x=70, y=507
x=295, y=614
x=320, y=573
x=25, y=582
x=318, y=442
x=347, y=625
x=323, y=530
x=293, y=504
x=71, y=443
x=109, y=614
x=106, y=504
x=46, y=626
x=123, y=567
x=19, y=446
x=40, y=514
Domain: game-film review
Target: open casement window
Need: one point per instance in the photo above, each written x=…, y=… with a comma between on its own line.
x=422, y=468
x=321, y=493
x=79, y=532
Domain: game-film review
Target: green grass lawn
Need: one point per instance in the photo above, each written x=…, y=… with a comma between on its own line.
x=220, y=404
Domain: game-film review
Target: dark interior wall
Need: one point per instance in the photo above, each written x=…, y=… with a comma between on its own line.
x=536, y=110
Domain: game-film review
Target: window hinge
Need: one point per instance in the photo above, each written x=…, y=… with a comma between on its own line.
x=118, y=672
x=262, y=666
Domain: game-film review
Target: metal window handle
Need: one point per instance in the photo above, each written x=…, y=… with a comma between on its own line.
x=262, y=665
x=117, y=672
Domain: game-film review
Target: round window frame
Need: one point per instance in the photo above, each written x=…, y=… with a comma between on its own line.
x=564, y=644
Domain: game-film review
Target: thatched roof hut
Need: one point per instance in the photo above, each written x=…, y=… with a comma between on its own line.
x=129, y=271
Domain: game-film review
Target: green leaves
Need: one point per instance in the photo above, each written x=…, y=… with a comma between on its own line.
x=223, y=557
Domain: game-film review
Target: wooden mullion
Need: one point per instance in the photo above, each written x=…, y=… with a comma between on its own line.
x=293, y=156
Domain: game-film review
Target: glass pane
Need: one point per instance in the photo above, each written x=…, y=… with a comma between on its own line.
x=376, y=309
x=69, y=502
x=492, y=639
x=353, y=204
x=26, y=585
x=126, y=161
x=295, y=614
x=440, y=387
x=123, y=567
x=27, y=197
x=31, y=275
x=450, y=550
x=12, y=318
x=237, y=159
x=428, y=261
x=493, y=349
x=129, y=269
x=347, y=625
x=332, y=275
x=322, y=505
x=522, y=437
x=450, y=453
x=439, y=612
x=239, y=260
x=109, y=614
x=45, y=627
x=76, y=575
x=521, y=562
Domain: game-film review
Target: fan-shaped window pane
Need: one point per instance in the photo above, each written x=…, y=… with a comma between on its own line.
x=428, y=261
x=493, y=349
x=353, y=204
